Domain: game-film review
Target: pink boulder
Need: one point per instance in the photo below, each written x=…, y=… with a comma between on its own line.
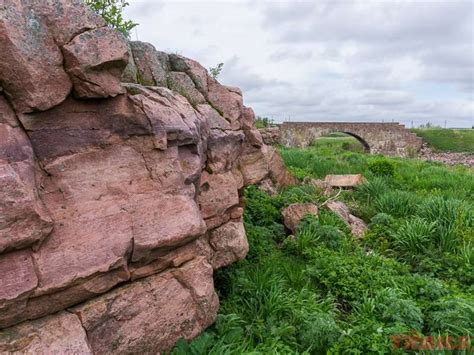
x=229, y=244
x=294, y=213
x=31, y=64
x=95, y=61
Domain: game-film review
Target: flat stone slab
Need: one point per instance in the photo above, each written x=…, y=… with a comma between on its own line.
x=348, y=180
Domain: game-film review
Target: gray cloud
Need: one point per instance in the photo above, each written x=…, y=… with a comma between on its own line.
x=329, y=60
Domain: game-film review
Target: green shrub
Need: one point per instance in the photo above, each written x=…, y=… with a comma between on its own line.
x=260, y=208
x=382, y=167
x=414, y=237
x=397, y=203
x=453, y=315
x=454, y=221
x=370, y=190
x=348, y=275
x=389, y=306
x=382, y=219
x=111, y=11
x=310, y=233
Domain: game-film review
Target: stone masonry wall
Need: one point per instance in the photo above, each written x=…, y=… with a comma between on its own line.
x=378, y=138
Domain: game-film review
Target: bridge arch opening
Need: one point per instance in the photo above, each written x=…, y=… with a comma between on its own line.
x=343, y=139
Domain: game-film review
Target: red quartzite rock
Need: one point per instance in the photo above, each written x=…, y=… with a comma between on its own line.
x=151, y=65
x=151, y=314
x=67, y=18
x=357, y=225
x=196, y=71
x=224, y=149
x=18, y=276
x=23, y=219
x=278, y=172
x=217, y=194
x=229, y=244
x=31, y=64
x=61, y=333
x=227, y=100
x=95, y=61
x=182, y=84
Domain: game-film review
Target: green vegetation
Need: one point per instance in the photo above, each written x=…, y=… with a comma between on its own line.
x=381, y=167
x=337, y=140
x=111, y=11
x=322, y=291
x=263, y=122
x=216, y=71
x=450, y=140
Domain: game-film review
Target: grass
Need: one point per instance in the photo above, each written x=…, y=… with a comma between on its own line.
x=448, y=140
x=325, y=292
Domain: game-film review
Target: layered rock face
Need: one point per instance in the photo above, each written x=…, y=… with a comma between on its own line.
x=121, y=177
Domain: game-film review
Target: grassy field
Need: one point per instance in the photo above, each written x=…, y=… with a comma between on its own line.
x=323, y=291
x=448, y=140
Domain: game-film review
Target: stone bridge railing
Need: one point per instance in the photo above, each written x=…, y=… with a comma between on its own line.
x=377, y=138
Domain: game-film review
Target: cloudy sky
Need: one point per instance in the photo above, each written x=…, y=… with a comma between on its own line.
x=328, y=60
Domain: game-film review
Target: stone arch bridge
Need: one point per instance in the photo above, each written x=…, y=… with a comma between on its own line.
x=377, y=138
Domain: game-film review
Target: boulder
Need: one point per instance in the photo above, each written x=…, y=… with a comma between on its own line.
x=253, y=164
x=130, y=73
x=357, y=225
x=268, y=186
x=31, y=64
x=216, y=121
x=294, y=213
x=254, y=137
x=66, y=19
x=171, y=116
x=95, y=61
x=248, y=118
x=61, y=333
x=348, y=180
x=229, y=244
x=193, y=69
x=277, y=170
x=270, y=135
x=227, y=101
x=23, y=220
x=151, y=65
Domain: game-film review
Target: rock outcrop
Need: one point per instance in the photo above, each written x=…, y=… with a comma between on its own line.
x=117, y=200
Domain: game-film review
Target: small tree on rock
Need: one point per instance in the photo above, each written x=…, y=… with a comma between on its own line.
x=111, y=12
x=215, y=71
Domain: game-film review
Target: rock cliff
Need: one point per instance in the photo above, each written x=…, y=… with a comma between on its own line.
x=121, y=177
